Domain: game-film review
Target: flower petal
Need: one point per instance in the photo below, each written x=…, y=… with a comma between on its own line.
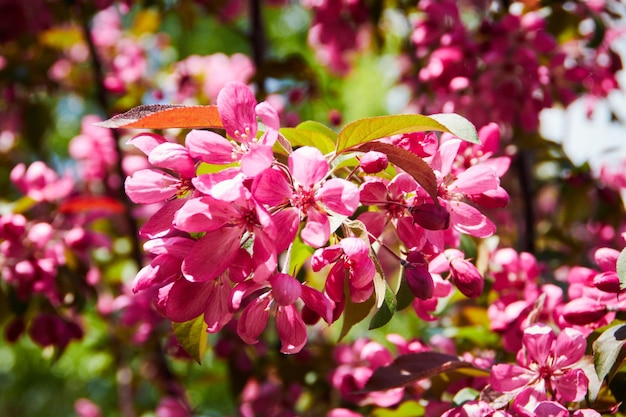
x=150, y=186
x=508, y=378
x=291, y=329
x=339, y=195
x=209, y=147
x=253, y=320
x=212, y=254
x=538, y=341
x=187, y=300
x=173, y=156
x=308, y=166
x=236, y=104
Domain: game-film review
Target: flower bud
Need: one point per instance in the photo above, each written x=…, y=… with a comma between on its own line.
x=466, y=277
x=373, y=162
x=607, y=282
x=431, y=216
x=417, y=277
x=583, y=311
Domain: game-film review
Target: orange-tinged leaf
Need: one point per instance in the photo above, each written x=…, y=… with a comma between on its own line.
x=91, y=203
x=165, y=116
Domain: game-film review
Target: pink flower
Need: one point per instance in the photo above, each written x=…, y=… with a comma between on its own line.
x=352, y=263
x=306, y=193
x=547, y=366
x=282, y=296
x=40, y=182
x=225, y=224
x=238, y=109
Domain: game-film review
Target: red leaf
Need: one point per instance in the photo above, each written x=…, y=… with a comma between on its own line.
x=412, y=367
x=164, y=116
x=88, y=203
x=409, y=162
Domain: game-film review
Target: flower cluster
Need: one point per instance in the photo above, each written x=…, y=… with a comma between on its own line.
x=505, y=68
x=233, y=209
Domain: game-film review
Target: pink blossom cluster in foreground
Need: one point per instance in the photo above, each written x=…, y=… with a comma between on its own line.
x=221, y=242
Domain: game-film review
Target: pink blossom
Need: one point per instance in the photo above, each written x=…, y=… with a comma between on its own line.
x=40, y=182
x=238, y=110
x=224, y=225
x=281, y=297
x=306, y=193
x=351, y=262
x=355, y=364
x=547, y=366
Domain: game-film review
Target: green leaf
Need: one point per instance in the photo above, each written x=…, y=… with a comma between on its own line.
x=386, y=311
x=404, y=296
x=607, y=348
x=192, y=336
x=305, y=137
x=621, y=269
x=372, y=128
x=318, y=127
x=409, y=162
x=354, y=313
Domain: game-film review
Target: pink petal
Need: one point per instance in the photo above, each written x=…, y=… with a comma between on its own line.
x=402, y=183
x=175, y=157
x=308, y=166
x=339, y=195
x=550, y=409
x=212, y=254
x=161, y=270
x=317, y=229
x=187, y=300
x=236, y=105
x=538, y=340
x=291, y=329
x=217, y=312
x=146, y=142
x=569, y=348
x=318, y=302
x=253, y=320
x=271, y=187
x=475, y=180
x=257, y=159
x=271, y=120
x=150, y=186
x=573, y=385
x=508, y=378
x=373, y=193
x=202, y=214
x=286, y=290
x=287, y=222
x=161, y=222
x=467, y=219
x=209, y=147
x=443, y=159
x=264, y=258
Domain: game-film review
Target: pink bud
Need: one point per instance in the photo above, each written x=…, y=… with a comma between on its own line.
x=285, y=289
x=606, y=258
x=431, y=216
x=373, y=162
x=417, y=277
x=466, y=277
x=607, y=282
x=583, y=311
